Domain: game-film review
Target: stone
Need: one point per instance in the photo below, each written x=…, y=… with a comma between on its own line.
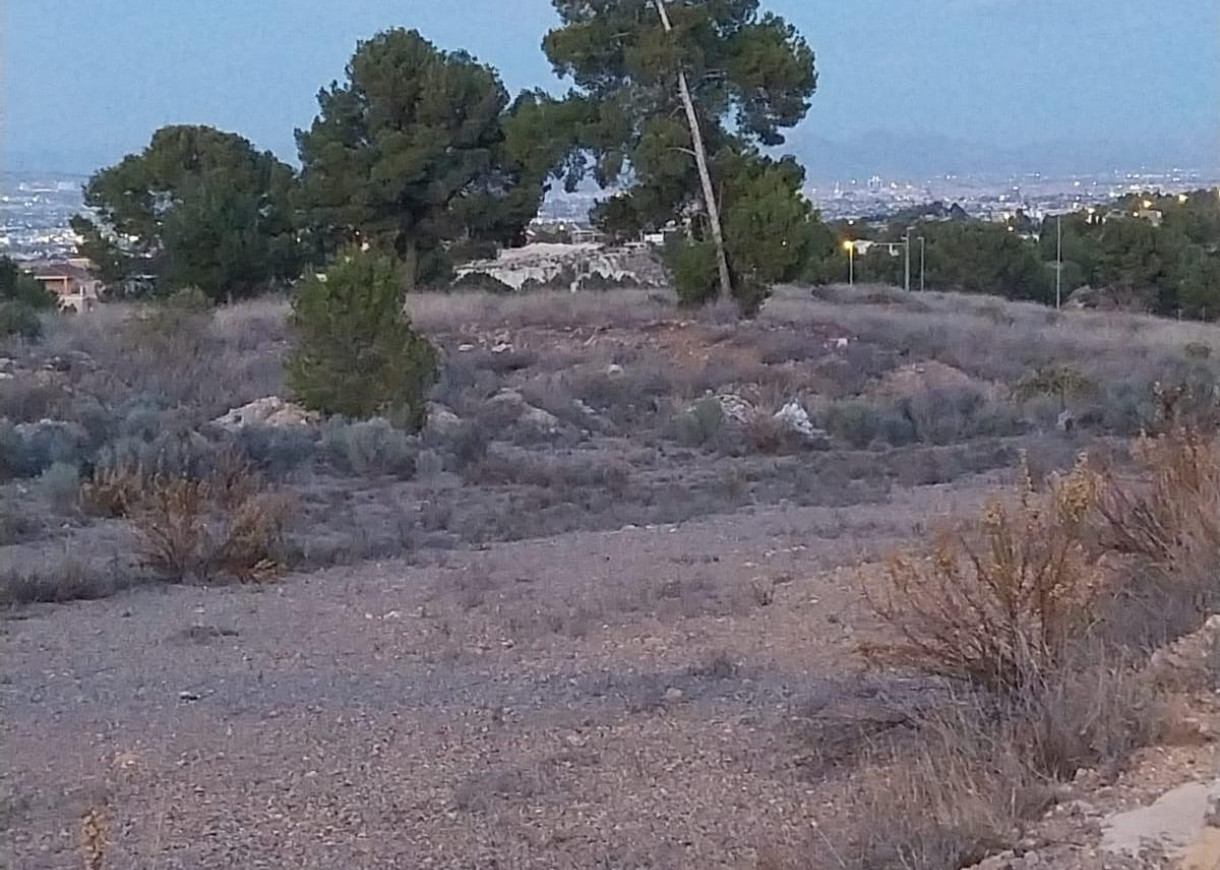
x=1066, y=421
x=268, y=411
x=507, y=397
x=441, y=420
x=538, y=418
x=526, y=413
x=735, y=408
x=1175, y=822
x=673, y=694
x=795, y=418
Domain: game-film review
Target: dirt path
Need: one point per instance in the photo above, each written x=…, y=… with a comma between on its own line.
x=619, y=699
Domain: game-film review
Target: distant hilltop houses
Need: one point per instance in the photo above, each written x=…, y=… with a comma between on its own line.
x=70, y=280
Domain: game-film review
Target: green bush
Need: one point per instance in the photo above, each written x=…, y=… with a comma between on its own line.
x=18, y=288
x=17, y=318
x=692, y=270
x=356, y=353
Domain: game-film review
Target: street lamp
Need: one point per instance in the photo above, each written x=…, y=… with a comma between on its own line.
x=907, y=274
x=923, y=251
x=850, y=247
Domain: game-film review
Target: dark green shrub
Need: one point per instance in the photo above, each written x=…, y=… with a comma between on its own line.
x=22, y=290
x=356, y=352
x=17, y=318
x=692, y=270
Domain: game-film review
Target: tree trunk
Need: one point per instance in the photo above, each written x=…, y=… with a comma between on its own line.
x=705, y=176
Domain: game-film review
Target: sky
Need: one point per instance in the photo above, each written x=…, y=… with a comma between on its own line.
x=83, y=82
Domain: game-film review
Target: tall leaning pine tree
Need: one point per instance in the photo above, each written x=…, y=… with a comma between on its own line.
x=678, y=98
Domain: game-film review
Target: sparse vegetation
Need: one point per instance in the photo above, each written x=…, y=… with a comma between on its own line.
x=615, y=412
x=1047, y=647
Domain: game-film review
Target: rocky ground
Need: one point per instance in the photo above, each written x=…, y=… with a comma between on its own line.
x=603, y=612
x=618, y=699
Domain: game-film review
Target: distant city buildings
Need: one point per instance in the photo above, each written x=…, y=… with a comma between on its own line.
x=35, y=210
x=34, y=215
x=996, y=199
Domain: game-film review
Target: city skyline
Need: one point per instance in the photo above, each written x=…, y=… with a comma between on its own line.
x=979, y=80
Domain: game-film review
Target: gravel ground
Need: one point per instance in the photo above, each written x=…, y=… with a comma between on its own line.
x=611, y=699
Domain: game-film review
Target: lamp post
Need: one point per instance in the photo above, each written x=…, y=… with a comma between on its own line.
x=923, y=251
x=850, y=247
x=906, y=283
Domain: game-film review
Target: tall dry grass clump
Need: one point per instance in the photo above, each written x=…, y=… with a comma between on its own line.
x=207, y=527
x=998, y=604
x=1164, y=523
x=1171, y=513
x=222, y=522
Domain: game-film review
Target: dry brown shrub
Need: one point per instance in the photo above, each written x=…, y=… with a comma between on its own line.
x=94, y=839
x=249, y=550
x=1171, y=516
x=224, y=524
x=112, y=491
x=978, y=767
x=997, y=605
x=170, y=516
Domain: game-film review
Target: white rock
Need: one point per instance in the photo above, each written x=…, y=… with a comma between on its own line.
x=442, y=420
x=735, y=407
x=794, y=418
x=267, y=411
x=507, y=397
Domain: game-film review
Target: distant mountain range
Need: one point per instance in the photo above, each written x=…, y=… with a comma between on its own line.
x=925, y=155
x=887, y=153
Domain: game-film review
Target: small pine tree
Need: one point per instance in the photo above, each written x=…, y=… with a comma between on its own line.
x=356, y=352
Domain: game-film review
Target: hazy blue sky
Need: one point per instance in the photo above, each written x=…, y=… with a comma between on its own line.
x=88, y=80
